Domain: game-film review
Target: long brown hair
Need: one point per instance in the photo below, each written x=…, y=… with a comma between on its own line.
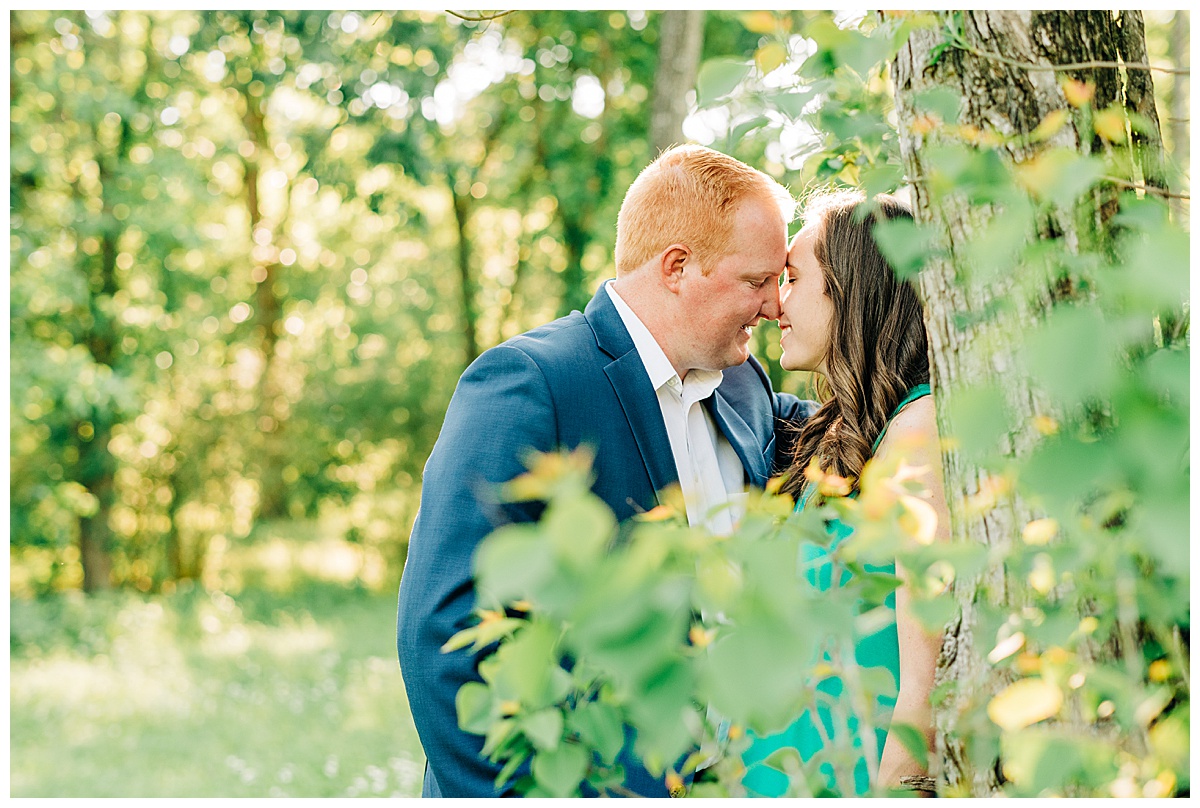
x=878, y=347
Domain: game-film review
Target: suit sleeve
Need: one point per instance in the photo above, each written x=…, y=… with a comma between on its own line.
x=790, y=415
x=500, y=410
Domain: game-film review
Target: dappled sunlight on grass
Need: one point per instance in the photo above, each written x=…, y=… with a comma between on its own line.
x=143, y=673
x=297, y=639
x=287, y=551
x=103, y=688
x=369, y=681
x=245, y=694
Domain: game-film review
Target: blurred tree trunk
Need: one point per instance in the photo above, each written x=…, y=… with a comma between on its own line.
x=1178, y=114
x=97, y=466
x=267, y=309
x=680, y=40
x=466, y=276
x=1012, y=99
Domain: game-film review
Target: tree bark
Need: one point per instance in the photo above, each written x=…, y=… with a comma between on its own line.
x=267, y=310
x=1178, y=101
x=1012, y=100
x=680, y=40
x=97, y=466
x=1139, y=99
x=470, y=319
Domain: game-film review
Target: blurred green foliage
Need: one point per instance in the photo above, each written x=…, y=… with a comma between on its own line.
x=252, y=252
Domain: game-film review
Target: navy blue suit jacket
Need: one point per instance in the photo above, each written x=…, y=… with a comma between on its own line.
x=577, y=380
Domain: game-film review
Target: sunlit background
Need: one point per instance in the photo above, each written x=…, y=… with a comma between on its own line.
x=251, y=253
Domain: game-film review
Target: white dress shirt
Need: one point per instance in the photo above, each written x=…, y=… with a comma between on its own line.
x=710, y=472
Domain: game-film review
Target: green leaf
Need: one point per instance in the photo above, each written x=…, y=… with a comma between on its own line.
x=522, y=668
x=657, y=710
x=544, y=727
x=1147, y=214
x=951, y=167
x=878, y=681
x=905, y=244
x=942, y=692
x=911, y=739
x=473, y=704
x=1163, y=521
x=718, y=580
x=746, y=127
x=770, y=56
x=934, y=614
x=1061, y=472
x=718, y=78
x=1060, y=175
x=1154, y=271
x=493, y=630
x=460, y=640
x=978, y=418
x=1040, y=761
x=791, y=102
x=786, y=759
x=1169, y=371
x=882, y=178
x=580, y=529
x=701, y=791
x=510, y=767
x=846, y=47
x=994, y=249
x=513, y=562
x=1072, y=355
x=875, y=620
x=561, y=770
x=939, y=101
x=497, y=734
x=757, y=644
x=599, y=726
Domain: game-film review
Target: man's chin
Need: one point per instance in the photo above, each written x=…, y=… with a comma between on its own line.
x=739, y=356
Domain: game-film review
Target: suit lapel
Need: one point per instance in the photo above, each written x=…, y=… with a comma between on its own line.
x=640, y=403
x=628, y=377
x=741, y=437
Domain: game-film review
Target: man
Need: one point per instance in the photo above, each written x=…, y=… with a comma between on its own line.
x=656, y=375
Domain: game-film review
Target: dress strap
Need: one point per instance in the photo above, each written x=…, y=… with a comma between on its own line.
x=920, y=391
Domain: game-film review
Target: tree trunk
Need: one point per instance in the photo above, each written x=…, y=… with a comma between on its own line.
x=1179, y=42
x=680, y=40
x=1012, y=100
x=470, y=314
x=575, y=291
x=97, y=466
x=95, y=536
x=267, y=310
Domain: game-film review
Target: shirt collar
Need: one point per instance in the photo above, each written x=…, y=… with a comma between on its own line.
x=699, y=384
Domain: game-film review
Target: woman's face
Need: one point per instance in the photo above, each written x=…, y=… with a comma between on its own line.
x=806, y=319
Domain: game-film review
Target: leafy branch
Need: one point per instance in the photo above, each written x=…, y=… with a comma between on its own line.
x=495, y=15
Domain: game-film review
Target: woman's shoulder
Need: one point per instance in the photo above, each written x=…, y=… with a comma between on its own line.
x=915, y=424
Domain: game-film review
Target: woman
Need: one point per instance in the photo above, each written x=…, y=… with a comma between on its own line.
x=847, y=318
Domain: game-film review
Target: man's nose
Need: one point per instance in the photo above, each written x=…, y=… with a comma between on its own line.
x=771, y=308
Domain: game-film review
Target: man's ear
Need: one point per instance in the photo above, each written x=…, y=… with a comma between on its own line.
x=671, y=265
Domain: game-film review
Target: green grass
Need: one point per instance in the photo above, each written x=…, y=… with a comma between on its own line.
x=267, y=692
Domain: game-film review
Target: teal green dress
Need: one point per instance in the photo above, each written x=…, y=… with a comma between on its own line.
x=878, y=650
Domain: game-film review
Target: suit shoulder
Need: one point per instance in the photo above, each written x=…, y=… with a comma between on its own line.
x=563, y=337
